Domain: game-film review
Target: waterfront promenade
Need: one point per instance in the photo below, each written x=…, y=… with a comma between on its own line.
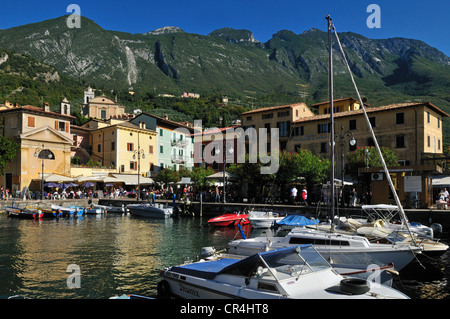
x=196, y=208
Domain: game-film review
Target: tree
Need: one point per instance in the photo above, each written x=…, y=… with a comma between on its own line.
x=293, y=165
x=368, y=157
x=198, y=176
x=8, y=151
x=167, y=175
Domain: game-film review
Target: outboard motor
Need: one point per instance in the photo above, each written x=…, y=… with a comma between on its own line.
x=437, y=229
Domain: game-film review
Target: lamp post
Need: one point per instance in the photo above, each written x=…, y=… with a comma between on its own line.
x=139, y=152
x=43, y=154
x=352, y=142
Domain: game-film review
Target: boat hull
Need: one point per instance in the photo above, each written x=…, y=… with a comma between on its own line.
x=149, y=211
x=226, y=220
x=399, y=257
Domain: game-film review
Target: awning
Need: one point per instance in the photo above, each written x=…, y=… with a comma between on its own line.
x=130, y=179
x=441, y=181
x=57, y=178
x=219, y=175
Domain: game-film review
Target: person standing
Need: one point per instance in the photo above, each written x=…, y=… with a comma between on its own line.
x=354, y=198
x=304, y=195
x=294, y=194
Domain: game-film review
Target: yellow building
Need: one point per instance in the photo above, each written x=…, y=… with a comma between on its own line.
x=122, y=145
x=36, y=129
x=102, y=107
x=279, y=117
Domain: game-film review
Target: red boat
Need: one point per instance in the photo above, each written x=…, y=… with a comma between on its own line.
x=229, y=220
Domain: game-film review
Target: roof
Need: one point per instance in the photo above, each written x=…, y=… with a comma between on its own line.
x=126, y=124
x=337, y=100
x=270, y=108
x=173, y=123
x=374, y=109
x=32, y=108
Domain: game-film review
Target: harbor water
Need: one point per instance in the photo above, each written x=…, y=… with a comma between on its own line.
x=97, y=257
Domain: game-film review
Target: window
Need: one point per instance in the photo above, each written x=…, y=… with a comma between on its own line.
x=122, y=168
x=133, y=165
x=249, y=118
x=31, y=121
x=428, y=141
x=113, y=146
x=160, y=132
x=284, y=128
x=267, y=116
x=298, y=131
x=99, y=148
x=161, y=149
x=400, y=118
x=352, y=124
x=324, y=147
x=370, y=142
x=439, y=144
x=297, y=147
x=373, y=121
x=400, y=141
x=62, y=126
x=150, y=149
x=103, y=114
x=283, y=114
x=439, y=122
x=130, y=147
x=267, y=127
x=428, y=117
x=323, y=128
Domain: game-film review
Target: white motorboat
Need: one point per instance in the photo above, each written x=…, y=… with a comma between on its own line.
x=111, y=208
x=264, y=219
x=382, y=215
x=401, y=238
x=342, y=249
x=297, y=272
x=151, y=210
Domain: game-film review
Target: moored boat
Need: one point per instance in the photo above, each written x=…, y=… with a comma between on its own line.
x=230, y=219
x=150, y=210
x=264, y=219
x=23, y=213
x=298, y=272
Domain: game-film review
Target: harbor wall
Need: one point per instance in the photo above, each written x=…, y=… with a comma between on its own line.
x=210, y=209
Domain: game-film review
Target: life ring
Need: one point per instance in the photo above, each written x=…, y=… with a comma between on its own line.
x=354, y=286
x=163, y=289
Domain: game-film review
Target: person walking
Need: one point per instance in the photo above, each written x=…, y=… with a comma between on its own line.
x=354, y=198
x=294, y=195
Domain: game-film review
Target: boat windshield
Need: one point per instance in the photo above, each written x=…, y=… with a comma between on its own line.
x=303, y=256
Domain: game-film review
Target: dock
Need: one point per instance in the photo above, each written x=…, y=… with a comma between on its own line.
x=196, y=208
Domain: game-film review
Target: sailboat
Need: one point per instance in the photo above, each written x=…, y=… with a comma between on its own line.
x=340, y=249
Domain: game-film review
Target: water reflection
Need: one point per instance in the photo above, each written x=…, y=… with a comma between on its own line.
x=123, y=254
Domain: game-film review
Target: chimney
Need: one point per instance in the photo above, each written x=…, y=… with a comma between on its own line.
x=46, y=107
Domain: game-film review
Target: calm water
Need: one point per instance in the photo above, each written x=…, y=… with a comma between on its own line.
x=123, y=254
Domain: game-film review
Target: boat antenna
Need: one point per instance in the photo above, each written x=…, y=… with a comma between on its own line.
x=331, y=129
x=388, y=176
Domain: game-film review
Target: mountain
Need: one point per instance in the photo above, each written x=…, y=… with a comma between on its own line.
x=25, y=80
x=231, y=62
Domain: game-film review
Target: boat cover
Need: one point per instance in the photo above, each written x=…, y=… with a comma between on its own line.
x=207, y=269
x=297, y=220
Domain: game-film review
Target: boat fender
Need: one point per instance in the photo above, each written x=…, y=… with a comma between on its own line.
x=354, y=286
x=379, y=223
x=163, y=289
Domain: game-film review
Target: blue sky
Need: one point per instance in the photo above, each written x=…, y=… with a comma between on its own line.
x=422, y=20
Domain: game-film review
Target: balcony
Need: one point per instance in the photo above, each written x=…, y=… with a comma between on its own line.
x=179, y=159
x=179, y=142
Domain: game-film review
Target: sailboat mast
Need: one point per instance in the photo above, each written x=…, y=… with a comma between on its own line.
x=330, y=76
